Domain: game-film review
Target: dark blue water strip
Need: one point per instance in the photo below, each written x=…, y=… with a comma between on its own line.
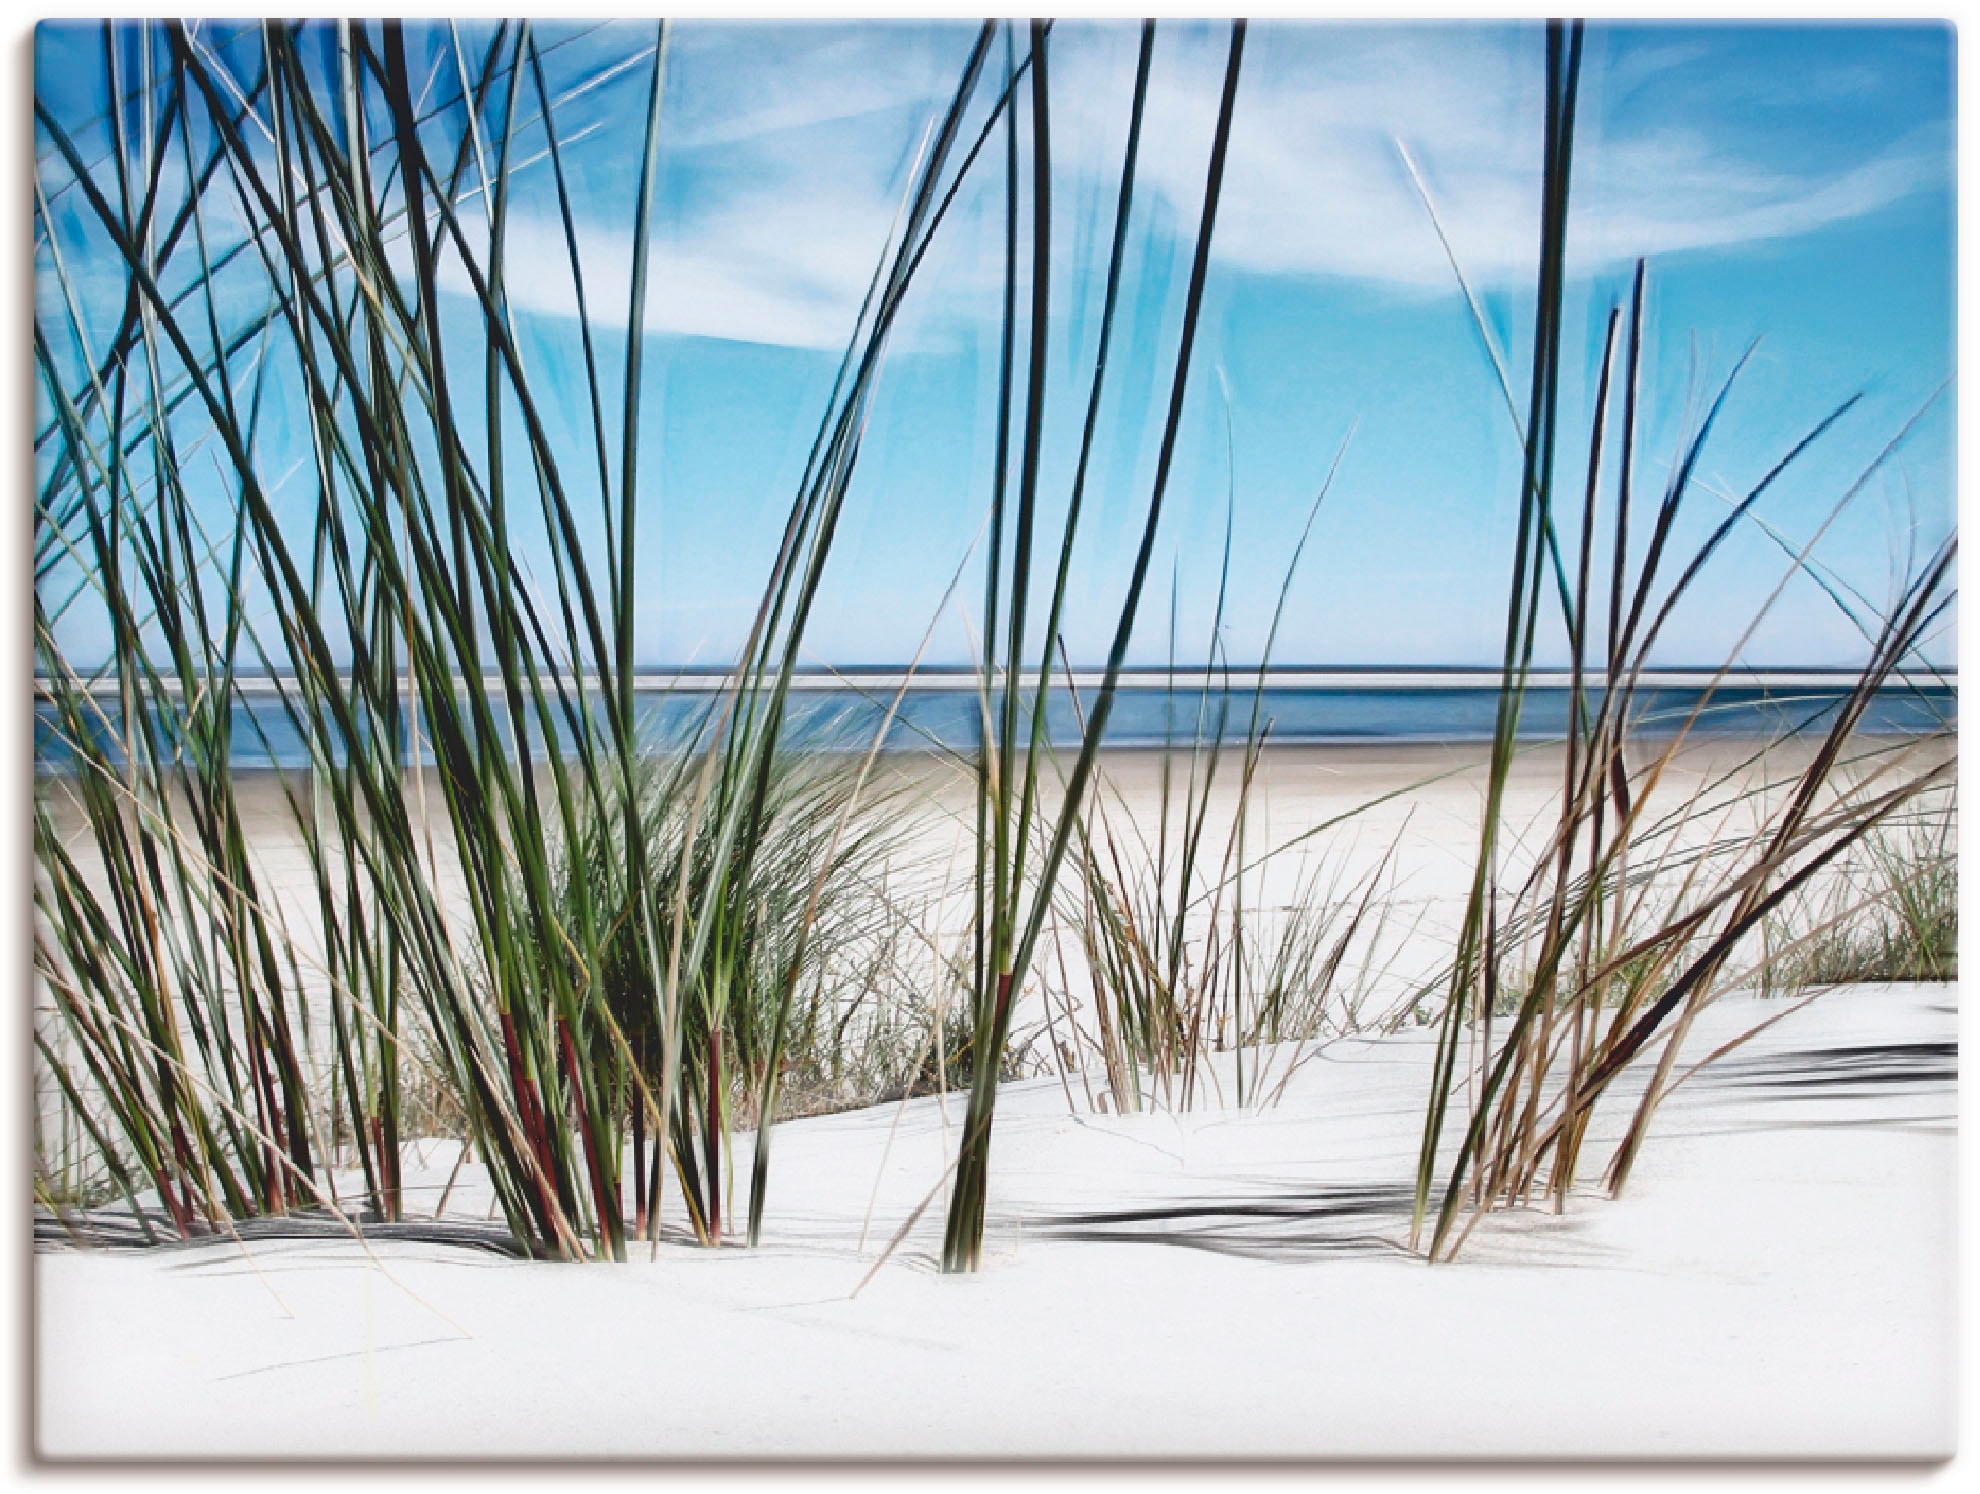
x=263, y=734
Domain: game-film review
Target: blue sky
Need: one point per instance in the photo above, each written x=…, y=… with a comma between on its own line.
x=1791, y=184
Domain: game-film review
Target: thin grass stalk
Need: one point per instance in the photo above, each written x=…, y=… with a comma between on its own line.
x=962, y=1248
x=1475, y=963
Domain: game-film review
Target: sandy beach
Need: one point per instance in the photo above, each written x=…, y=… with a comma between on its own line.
x=1230, y=1281
x=666, y=828
x=1778, y=1282
x=1320, y=819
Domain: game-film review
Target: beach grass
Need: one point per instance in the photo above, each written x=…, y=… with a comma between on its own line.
x=600, y=961
x=1612, y=974
x=454, y=707
x=1010, y=915
x=1890, y=914
x=1175, y=961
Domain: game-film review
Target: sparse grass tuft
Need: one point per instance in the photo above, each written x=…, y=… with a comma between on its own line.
x=1620, y=890
x=1890, y=914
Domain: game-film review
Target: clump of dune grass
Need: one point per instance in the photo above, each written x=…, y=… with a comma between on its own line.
x=795, y=1005
x=862, y=1032
x=1171, y=982
x=1178, y=956
x=1179, y=953
x=439, y=611
x=1889, y=913
x=1619, y=891
x=1313, y=967
x=316, y=195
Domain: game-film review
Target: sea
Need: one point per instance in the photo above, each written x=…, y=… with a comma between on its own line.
x=946, y=711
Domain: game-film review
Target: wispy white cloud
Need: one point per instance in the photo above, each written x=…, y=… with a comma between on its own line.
x=1317, y=185
x=788, y=146
x=772, y=272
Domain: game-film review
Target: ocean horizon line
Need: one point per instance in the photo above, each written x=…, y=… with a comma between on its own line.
x=1158, y=677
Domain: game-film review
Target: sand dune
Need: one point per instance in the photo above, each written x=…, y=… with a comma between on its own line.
x=1777, y=1282
x=1231, y=1281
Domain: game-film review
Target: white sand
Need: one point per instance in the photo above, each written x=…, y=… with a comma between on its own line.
x=1778, y=1282
x=1331, y=816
